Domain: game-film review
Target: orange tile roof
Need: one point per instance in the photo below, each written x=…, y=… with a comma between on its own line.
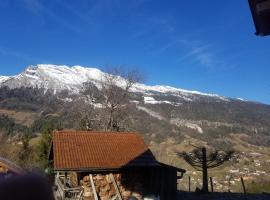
x=78, y=150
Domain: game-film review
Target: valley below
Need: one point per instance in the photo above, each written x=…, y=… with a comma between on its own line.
x=171, y=120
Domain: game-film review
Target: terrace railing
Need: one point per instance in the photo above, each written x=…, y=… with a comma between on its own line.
x=65, y=192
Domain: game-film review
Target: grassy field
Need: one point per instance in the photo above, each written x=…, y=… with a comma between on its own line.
x=23, y=118
x=252, y=163
x=222, y=196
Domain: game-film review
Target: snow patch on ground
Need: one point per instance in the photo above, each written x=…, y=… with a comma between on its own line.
x=186, y=123
x=3, y=78
x=97, y=105
x=241, y=99
x=151, y=112
x=168, y=89
x=134, y=101
x=67, y=99
x=151, y=100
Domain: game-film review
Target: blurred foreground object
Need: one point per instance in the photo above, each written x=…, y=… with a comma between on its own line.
x=8, y=169
x=25, y=187
x=260, y=10
x=16, y=184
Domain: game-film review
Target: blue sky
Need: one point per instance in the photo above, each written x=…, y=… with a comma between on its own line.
x=207, y=45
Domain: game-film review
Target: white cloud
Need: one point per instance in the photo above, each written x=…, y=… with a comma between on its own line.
x=205, y=55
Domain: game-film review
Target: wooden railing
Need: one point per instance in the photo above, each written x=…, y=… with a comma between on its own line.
x=64, y=192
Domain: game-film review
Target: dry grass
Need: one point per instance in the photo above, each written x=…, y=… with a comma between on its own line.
x=24, y=118
x=166, y=152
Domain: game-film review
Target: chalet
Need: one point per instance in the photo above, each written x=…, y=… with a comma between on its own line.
x=109, y=165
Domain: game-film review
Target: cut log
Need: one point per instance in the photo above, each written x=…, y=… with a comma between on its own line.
x=116, y=187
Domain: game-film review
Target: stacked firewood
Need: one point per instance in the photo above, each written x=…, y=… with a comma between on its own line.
x=129, y=186
x=87, y=189
x=105, y=188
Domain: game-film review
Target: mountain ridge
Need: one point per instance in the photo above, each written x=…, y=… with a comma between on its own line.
x=71, y=78
x=160, y=110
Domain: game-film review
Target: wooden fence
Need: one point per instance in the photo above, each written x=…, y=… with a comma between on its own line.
x=211, y=185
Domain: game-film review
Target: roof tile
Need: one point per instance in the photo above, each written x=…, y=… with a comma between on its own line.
x=81, y=150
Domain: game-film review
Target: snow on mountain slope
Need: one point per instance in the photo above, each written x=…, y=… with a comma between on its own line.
x=151, y=112
x=54, y=77
x=151, y=100
x=3, y=78
x=63, y=77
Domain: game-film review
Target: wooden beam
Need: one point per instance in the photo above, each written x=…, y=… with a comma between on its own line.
x=65, y=180
x=189, y=184
x=243, y=185
x=211, y=182
x=93, y=186
x=116, y=187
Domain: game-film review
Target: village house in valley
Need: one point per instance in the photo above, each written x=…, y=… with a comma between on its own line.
x=109, y=165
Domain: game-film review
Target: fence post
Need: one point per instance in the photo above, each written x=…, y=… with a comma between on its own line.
x=189, y=184
x=243, y=185
x=211, y=181
x=229, y=184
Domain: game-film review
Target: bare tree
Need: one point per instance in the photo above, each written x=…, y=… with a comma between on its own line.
x=202, y=161
x=113, y=95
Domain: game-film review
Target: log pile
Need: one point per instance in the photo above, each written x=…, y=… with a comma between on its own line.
x=105, y=188
x=73, y=179
x=87, y=189
x=129, y=186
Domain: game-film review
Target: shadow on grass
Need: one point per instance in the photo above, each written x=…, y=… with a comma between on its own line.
x=221, y=196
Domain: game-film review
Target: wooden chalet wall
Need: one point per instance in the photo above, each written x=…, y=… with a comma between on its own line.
x=137, y=181
x=168, y=183
x=121, y=157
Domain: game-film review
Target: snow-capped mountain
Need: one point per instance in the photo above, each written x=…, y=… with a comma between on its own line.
x=3, y=78
x=53, y=77
x=61, y=77
x=162, y=109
